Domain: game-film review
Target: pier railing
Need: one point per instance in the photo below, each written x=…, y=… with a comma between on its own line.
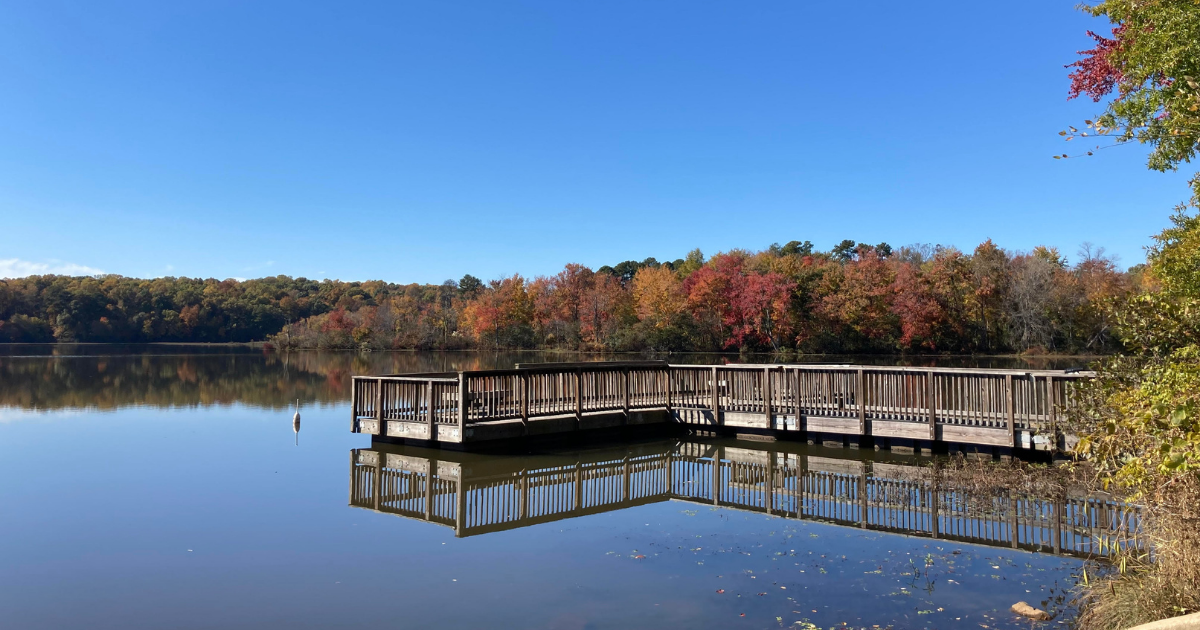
x=1012, y=400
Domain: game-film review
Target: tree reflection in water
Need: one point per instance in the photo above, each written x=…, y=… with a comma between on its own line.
x=44, y=377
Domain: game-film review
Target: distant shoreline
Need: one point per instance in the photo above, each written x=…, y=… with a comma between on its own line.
x=262, y=344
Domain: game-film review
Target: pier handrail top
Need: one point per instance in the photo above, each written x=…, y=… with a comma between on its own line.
x=437, y=377
x=1070, y=373
x=542, y=368
x=571, y=365
x=527, y=368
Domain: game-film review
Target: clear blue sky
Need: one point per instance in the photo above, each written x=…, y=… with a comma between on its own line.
x=420, y=141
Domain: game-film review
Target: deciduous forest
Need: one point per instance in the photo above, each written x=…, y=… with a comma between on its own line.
x=854, y=298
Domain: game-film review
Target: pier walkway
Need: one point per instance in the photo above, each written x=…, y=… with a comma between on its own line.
x=886, y=405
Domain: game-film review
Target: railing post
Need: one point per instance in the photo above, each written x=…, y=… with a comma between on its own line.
x=860, y=394
x=796, y=396
x=523, y=495
x=353, y=476
x=578, y=396
x=578, y=486
x=381, y=420
x=625, y=480
x=523, y=379
x=766, y=390
x=801, y=480
x=1009, y=403
x=930, y=397
x=670, y=470
x=1056, y=526
x=462, y=407
x=862, y=496
x=355, y=394
x=1051, y=415
x=429, y=488
x=667, y=375
x=625, y=371
x=716, y=476
x=429, y=406
x=934, y=525
x=716, y=398
x=1014, y=527
x=379, y=479
x=770, y=483
x=460, y=505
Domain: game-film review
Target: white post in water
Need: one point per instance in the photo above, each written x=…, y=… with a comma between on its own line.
x=296, y=422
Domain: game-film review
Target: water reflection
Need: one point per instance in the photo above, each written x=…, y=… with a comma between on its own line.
x=266, y=380
x=42, y=377
x=200, y=515
x=478, y=494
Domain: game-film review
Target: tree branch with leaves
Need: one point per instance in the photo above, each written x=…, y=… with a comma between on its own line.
x=1149, y=69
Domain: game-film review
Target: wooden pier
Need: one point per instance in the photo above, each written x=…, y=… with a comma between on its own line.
x=473, y=494
x=885, y=405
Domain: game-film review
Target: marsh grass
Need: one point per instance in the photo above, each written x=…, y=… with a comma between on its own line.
x=1138, y=576
x=1139, y=587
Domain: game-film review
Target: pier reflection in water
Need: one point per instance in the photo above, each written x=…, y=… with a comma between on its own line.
x=477, y=494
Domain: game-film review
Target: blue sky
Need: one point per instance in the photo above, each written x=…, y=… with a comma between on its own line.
x=422, y=141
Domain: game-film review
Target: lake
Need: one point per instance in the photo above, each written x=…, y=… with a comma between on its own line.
x=163, y=486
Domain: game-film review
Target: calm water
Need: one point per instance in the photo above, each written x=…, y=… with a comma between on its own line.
x=163, y=487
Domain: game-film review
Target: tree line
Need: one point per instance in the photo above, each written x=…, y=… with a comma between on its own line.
x=853, y=298
x=127, y=310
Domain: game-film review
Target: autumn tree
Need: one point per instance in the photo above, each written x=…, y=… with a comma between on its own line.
x=658, y=293
x=948, y=276
x=1150, y=66
x=606, y=312
x=990, y=276
x=710, y=290
x=500, y=315
x=762, y=308
x=917, y=308
x=859, y=299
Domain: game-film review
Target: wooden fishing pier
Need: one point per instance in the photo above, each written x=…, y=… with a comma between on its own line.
x=903, y=407
x=474, y=494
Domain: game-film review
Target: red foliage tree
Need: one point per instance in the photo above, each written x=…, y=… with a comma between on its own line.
x=1097, y=73
x=917, y=308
